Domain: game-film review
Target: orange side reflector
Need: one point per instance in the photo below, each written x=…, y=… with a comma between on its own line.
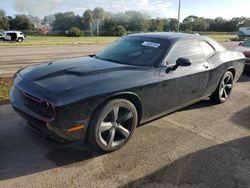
x=78, y=127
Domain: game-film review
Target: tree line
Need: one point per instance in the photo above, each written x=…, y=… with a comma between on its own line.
x=100, y=22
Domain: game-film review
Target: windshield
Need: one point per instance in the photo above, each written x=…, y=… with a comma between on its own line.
x=135, y=51
x=246, y=43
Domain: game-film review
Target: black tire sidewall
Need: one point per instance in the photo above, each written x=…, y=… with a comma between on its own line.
x=99, y=115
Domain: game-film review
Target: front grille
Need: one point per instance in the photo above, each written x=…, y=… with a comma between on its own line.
x=37, y=105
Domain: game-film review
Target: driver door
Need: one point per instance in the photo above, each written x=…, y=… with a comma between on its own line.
x=186, y=84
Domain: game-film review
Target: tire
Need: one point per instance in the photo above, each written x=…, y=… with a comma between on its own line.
x=224, y=89
x=112, y=125
x=20, y=40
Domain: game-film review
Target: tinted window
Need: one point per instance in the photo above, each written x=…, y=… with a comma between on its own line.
x=207, y=48
x=188, y=49
x=135, y=51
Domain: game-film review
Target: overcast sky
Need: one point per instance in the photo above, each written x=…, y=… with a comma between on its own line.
x=154, y=8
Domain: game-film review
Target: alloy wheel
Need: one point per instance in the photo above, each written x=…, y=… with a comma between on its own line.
x=116, y=127
x=226, y=87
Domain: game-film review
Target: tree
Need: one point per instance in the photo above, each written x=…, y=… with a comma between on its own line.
x=21, y=22
x=194, y=23
x=4, y=23
x=98, y=14
x=65, y=20
x=170, y=24
x=88, y=17
x=75, y=32
x=120, y=31
x=109, y=25
x=156, y=25
x=218, y=24
x=132, y=21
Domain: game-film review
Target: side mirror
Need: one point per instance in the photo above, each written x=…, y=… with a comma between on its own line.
x=181, y=62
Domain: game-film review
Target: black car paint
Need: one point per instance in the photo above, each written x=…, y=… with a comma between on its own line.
x=76, y=87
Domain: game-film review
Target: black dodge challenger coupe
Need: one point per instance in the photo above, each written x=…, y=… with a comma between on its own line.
x=102, y=98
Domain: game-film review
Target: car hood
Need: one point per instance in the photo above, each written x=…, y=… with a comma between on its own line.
x=82, y=77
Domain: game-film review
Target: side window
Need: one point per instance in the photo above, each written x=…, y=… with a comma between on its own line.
x=190, y=49
x=207, y=48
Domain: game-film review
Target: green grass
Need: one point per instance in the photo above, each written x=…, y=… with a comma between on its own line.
x=5, y=85
x=60, y=40
x=222, y=38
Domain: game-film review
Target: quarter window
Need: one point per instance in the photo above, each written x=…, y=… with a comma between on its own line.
x=207, y=49
x=190, y=49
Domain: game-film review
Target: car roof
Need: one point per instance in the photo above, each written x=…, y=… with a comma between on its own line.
x=168, y=35
x=13, y=32
x=173, y=37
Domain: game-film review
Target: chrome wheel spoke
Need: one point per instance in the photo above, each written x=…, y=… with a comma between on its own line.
x=115, y=114
x=124, y=117
x=221, y=91
x=105, y=126
x=123, y=131
x=228, y=86
x=227, y=79
x=111, y=137
x=225, y=93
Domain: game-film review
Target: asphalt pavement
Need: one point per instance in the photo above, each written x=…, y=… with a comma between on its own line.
x=204, y=145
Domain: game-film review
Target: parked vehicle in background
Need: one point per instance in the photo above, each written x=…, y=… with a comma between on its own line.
x=244, y=32
x=1, y=36
x=244, y=47
x=14, y=36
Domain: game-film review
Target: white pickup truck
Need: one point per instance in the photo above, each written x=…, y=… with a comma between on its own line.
x=244, y=32
x=14, y=36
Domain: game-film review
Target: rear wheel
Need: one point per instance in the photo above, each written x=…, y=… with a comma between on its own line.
x=112, y=125
x=224, y=88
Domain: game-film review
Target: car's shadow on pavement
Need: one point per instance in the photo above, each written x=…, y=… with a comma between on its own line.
x=23, y=153
x=224, y=165
x=242, y=118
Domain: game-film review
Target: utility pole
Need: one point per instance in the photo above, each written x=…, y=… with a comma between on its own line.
x=179, y=12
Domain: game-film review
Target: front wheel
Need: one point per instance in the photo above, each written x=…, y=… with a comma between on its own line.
x=20, y=40
x=224, y=88
x=112, y=125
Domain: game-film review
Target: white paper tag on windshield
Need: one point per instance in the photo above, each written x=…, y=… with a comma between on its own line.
x=151, y=44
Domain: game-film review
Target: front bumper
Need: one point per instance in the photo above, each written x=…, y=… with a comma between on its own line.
x=56, y=126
